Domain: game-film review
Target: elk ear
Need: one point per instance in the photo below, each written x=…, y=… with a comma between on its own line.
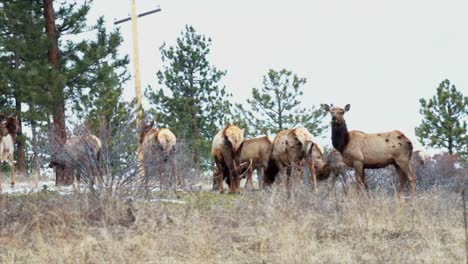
x=347, y=107
x=326, y=107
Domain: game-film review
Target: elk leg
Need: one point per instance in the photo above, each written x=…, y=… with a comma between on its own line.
x=313, y=175
x=282, y=172
x=344, y=182
x=76, y=183
x=100, y=176
x=261, y=177
x=300, y=174
x=409, y=176
x=248, y=181
x=232, y=172
x=403, y=179
x=364, y=180
x=218, y=177
x=289, y=175
x=359, y=171
x=406, y=175
x=233, y=179
x=331, y=181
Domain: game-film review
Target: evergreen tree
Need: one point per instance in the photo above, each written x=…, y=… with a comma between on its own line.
x=276, y=106
x=22, y=68
x=52, y=68
x=83, y=64
x=444, y=120
x=191, y=103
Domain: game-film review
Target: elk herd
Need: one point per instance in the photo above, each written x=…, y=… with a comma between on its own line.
x=291, y=150
x=282, y=159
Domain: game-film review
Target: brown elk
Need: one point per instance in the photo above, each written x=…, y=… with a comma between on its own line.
x=290, y=148
x=371, y=151
x=159, y=147
x=256, y=151
x=332, y=169
x=81, y=154
x=226, y=153
x=8, y=129
x=419, y=158
x=254, y=155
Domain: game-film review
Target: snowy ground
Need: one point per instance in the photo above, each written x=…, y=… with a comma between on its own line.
x=30, y=187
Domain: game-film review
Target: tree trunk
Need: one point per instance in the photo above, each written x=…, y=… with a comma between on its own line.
x=450, y=145
x=19, y=139
x=196, y=138
x=58, y=115
x=20, y=143
x=35, y=149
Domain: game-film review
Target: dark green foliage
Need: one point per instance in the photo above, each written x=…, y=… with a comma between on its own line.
x=444, y=120
x=90, y=75
x=191, y=102
x=276, y=106
x=23, y=54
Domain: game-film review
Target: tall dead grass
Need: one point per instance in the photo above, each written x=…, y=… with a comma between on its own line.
x=257, y=227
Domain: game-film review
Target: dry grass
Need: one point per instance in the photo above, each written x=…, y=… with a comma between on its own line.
x=258, y=227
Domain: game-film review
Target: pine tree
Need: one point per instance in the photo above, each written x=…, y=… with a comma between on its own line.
x=276, y=106
x=444, y=120
x=54, y=70
x=22, y=67
x=191, y=103
x=81, y=63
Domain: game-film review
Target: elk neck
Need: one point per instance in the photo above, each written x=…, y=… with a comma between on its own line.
x=340, y=136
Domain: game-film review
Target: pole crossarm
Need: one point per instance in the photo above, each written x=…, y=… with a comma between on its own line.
x=140, y=15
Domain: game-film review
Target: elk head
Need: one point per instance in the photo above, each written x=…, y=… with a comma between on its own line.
x=337, y=114
x=145, y=128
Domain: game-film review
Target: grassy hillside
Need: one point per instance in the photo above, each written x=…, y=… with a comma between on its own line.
x=257, y=227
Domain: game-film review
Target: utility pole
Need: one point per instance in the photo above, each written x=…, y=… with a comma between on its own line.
x=136, y=59
x=136, y=69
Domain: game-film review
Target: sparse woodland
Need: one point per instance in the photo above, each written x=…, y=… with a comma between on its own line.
x=150, y=194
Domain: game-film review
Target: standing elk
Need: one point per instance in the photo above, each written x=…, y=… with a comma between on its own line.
x=290, y=148
x=8, y=129
x=81, y=154
x=226, y=153
x=254, y=155
x=159, y=147
x=371, y=151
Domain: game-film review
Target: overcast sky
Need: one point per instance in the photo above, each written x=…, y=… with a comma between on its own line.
x=378, y=56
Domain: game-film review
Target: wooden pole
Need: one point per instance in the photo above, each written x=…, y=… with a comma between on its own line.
x=136, y=67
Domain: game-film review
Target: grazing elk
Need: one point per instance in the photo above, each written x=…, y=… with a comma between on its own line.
x=419, y=158
x=254, y=155
x=226, y=153
x=257, y=151
x=159, y=147
x=333, y=168
x=290, y=148
x=81, y=154
x=8, y=129
x=371, y=151
x=419, y=161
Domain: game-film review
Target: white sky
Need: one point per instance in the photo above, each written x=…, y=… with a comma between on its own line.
x=378, y=56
